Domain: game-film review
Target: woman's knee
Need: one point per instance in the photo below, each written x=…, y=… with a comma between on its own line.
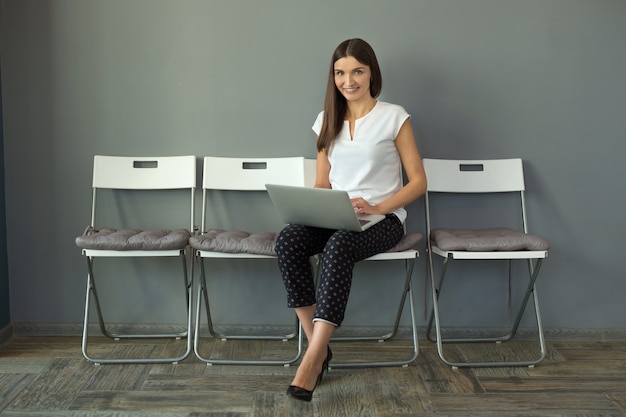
x=340, y=242
x=296, y=239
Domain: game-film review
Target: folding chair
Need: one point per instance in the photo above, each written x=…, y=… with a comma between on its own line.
x=240, y=174
x=123, y=176
x=495, y=178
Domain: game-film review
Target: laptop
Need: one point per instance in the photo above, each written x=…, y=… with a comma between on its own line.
x=319, y=207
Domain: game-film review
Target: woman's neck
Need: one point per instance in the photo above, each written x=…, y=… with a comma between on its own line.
x=356, y=110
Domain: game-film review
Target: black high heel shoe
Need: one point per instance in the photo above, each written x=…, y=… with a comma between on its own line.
x=304, y=394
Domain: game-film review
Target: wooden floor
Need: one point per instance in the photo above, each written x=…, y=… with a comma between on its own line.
x=48, y=376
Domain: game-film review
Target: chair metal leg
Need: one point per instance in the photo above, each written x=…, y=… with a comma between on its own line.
x=92, y=292
x=203, y=298
x=407, y=292
x=435, y=316
x=225, y=337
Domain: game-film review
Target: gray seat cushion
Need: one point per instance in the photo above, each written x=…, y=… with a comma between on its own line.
x=408, y=241
x=486, y=240
x=133, y=239
x=235, y=241
x=262, y=243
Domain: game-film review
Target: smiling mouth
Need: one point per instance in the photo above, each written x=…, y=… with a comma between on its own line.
x=350, y=90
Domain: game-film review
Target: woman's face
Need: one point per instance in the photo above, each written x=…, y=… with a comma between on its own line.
x=352, y=78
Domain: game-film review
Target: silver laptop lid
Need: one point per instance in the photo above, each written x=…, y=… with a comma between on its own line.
x=318, y=207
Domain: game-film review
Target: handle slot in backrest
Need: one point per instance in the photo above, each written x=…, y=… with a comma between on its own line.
x=471, y=167
x=145, y=164
x=254, y=165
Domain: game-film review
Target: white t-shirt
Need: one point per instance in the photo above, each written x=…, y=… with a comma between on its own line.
x=369, y=164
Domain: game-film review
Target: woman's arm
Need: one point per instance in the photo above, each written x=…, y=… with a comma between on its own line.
x=322, y=171
x=412, y=164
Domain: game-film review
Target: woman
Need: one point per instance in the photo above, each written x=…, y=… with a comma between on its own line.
x=362, y=146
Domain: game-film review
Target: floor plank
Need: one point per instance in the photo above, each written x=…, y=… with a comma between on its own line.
x=56, y=386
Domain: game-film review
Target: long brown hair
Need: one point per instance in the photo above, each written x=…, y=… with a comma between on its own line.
x=335, y=105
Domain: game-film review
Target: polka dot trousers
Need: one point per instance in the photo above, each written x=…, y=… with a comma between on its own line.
x=340, y=250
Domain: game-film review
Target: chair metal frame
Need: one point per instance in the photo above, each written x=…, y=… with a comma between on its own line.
x=480, y=176
x=409, y=257
x=139, y=174
x=243, y=174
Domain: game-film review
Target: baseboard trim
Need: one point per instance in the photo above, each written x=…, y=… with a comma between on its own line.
x=404, y=332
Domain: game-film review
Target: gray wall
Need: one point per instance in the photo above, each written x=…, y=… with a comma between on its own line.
x=536, y=79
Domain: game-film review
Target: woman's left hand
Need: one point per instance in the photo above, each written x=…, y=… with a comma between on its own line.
x=362, y=207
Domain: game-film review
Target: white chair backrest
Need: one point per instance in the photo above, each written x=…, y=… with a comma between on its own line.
x=474, y=176
x=144, y=173
x=309, y=172
x=251, y=174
